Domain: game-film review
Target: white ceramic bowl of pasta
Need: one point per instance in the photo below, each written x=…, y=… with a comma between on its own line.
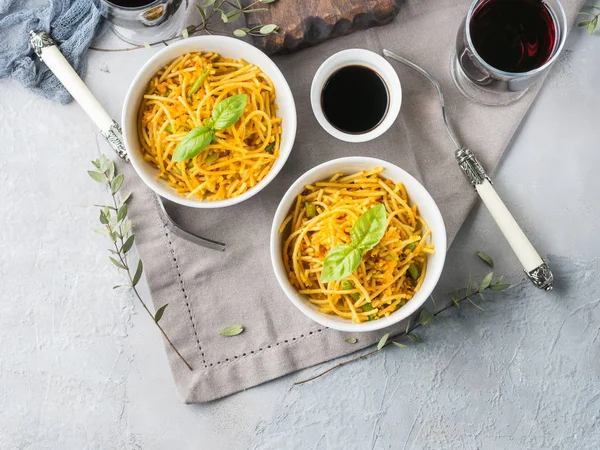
x=226, y=47
x=416, y=193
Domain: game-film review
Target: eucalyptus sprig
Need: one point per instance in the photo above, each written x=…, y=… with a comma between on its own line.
x=592, y=23
x=117, y=227
x=212, y=13
x=427, y=317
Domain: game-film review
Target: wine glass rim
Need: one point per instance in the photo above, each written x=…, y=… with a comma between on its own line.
x=563, y=37
x=134, y=8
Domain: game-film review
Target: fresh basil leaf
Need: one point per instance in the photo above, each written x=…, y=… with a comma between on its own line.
x=340, y=262
x=193, y=143
x=228, y=111
x=369, y=228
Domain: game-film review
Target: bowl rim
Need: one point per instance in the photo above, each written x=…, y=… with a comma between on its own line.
x=300, y=301
x=144, y=74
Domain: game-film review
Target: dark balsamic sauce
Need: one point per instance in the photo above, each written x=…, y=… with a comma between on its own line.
x=131, y=3
x=355, y=99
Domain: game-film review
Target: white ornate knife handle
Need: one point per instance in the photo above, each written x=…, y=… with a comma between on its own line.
x=535, y=268
x=45, y=47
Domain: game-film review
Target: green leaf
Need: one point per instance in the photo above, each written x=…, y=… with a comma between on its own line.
x=138, y=273
x=475, y=305
x=116, y=183
x=455, y=299
x=382, y=341
x=584, y=23
x=500, y=286
x=267, y=1
x=233, y=15
x=413, y=337
x=202, y=14
x=128, y=244
x=102, y=231
x=367, y=307
x=413, y=271
x=122, y=213
x=592, y=25
x=398, y=344
x=351, y=340
x=486, y=259
x=117, y=286
x=111, y=170
x=239, y=33
x=117, y=263
x=208, y=3
x=369, y=228
x=114, y=236
x=485, y=283
x=185, y=33
x=347, y=285
x=124, y=199
x=311, y=210
x=228, y=111
x=268, y=29
x=232, y=330
x=103, y=218
x=127, y=227
x=340, y=262
x=411, y=247
x=269, y=148
x=97, y=176
x=159, y=312
x=425, y=318
x=193, y=143
x=104, y=162
x=470, y=284
x=96, y=162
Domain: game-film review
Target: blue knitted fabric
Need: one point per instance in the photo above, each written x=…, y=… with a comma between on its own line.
x=72, y=24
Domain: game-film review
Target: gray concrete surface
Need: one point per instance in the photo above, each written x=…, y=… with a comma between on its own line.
x=82, y=367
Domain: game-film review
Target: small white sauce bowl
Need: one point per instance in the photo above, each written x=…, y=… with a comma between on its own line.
x=357, y=57
x=226, y=47
x=416, y=193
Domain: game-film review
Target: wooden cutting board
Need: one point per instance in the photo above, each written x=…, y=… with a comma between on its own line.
x=304, y=23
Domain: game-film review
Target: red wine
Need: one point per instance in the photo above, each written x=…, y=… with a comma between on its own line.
x=355, y=99
x=131, y=3
x=513, y=35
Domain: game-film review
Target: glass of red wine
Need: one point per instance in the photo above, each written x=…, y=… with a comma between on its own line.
x=504, y=47
x=143, y=21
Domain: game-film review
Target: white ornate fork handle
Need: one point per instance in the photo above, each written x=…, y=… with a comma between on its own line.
x=536, y=269
x=47, y=50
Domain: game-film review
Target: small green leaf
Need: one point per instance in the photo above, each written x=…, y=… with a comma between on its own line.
x=148, y=46
x=159, y=312
x=232, y=330
x=185, y=33
x=311, y=210
x=485, y=283
x=114, y=236
x=500, y=286
x=208, y=3
x=340, y=262
x=268, y=29
x=239, y=33
x=411, y=247
x=233, y=15
x=138, y=273
x=202, y=13
x=367, y=307
x=269, y=148
x=124, y=199
x=193, y=143
x=117, y=286
x=224, y=17
x=128, y=244
x=267, y=1
x=102, y=231
x=111, y=170
x=455, y=299
x=122, y=213
x=486, y=259
x=97, y=176
x=116, y=183
x=127, y=227
x=413, y=271
x=351, y=340
x=103, y=218
x=228, y=111
x=96, y=163
x=382, y=341
x=398, y=344
x=104, y=163
x=117, y=263
x=413, y=337
x=425, y=318
x=369, y=228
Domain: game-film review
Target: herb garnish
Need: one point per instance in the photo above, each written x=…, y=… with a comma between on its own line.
x=593, y=22
x=232, y=330
x=365, y=234
x=224, y=114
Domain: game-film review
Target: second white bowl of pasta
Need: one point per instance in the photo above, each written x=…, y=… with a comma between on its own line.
x=209, y=121
x=357, y=244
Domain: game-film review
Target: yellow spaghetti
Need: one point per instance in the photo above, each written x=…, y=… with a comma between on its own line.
x=181, y=97
x=388, y=276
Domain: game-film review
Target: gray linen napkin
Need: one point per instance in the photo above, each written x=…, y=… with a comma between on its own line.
x=208, y=290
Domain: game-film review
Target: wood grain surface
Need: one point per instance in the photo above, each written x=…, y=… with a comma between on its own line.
x=304, y=23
